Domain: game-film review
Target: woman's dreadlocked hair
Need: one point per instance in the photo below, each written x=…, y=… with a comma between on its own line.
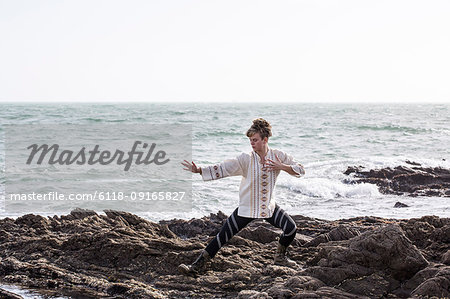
x=260, y=126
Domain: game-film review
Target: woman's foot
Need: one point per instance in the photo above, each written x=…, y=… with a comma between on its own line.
x=281, y=259
x=198, y=266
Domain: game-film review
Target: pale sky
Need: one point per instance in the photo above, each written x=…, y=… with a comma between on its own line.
x=245, y=50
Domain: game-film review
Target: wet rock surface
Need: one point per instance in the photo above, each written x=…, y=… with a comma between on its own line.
x=4, y=294
x=403, y=180
x=119, y=255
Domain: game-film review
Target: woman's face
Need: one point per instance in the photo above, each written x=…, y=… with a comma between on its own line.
x=257, y=143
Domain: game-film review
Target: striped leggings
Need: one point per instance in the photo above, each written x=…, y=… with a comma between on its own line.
x=235, y=223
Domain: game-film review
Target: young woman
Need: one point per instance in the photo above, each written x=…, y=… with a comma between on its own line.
x=259, y=170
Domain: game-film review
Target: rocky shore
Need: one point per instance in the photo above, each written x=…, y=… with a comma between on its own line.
x=401, y=180
x=119, y=255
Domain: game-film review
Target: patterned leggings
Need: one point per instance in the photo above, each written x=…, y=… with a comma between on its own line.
x=235, y=223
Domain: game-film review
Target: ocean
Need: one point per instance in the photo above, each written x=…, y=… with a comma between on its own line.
x=325, y=138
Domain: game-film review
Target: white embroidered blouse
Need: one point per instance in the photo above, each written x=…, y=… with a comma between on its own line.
x=257, y=185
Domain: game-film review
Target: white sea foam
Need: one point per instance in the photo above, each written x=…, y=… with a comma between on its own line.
x=328, y=188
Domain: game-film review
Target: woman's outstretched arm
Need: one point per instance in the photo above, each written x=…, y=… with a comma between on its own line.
x=230, y=167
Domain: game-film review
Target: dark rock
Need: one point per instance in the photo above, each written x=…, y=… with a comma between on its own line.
x=353, y=169
x=389, y=250
x=429, y=233
x=339, y=233
x=82, y=213
x=260, y=234
x=415, y=181
x=374, y=285
x=118, y=289
x=209, y=226
x=446, y=258
x=300, y=283
x=420, y=277
x=368, y=263
x=4, y=294
x=279, y=291
x=400, y=205
x=438, y=285
x=412, y=163
x=251, y=294
x=327, y=293
x=33, y=221
x=120, y=255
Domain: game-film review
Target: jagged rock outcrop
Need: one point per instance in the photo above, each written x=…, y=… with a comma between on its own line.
x=402, y=180
x=121, y=255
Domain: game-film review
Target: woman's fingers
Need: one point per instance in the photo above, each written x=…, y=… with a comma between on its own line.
x=272, y=165
x=190, y=167
x=272, y=162
x=268, y=165
x=187, y=165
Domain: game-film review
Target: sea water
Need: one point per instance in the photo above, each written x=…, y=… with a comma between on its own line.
x=325, y=138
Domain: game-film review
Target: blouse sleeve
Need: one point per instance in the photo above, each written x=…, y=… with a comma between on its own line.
x=230, y=167
x=295, y=165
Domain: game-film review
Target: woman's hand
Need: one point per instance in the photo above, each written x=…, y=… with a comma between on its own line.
x=272, y=165
x=191, y=167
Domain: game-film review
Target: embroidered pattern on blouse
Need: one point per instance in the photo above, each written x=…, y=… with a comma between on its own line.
x=218, y=172
x=261, y=187
x=256, y=186
x=253, y=191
